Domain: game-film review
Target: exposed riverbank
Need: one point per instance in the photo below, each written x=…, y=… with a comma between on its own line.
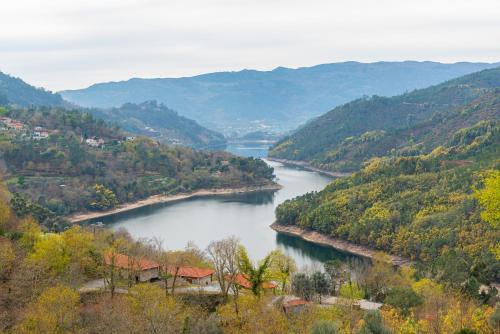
x=156, y=199
x=307, y=166
x=341, y=245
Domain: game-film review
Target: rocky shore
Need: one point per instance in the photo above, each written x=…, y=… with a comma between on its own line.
x=341, y=245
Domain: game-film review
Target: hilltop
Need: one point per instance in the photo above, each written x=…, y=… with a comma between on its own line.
x=280, y=99
x=409, y=124
x=157, y=121
x=17, y=92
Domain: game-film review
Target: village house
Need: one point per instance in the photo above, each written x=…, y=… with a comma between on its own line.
x=143, y=270
x=94, y=142
x=244, y=283
x=294, y=305
x=193, y=275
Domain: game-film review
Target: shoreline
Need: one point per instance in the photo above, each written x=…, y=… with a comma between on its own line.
x=338, y=244
x=307, y=166
x=157, y=199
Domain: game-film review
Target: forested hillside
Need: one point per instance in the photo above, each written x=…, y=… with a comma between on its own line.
x=409, y=124
x=17, y=92
x=68, y=161
x=157, y=121
x=424, y=207
x=281, y=99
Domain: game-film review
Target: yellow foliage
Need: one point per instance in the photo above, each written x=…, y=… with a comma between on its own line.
x=55, y=311
x=254, y=316
x=489, y=198
x=7, y=257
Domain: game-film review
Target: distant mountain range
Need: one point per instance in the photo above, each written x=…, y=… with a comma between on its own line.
x=406, y=125
x=277, y=100
x=149, y=118
x=17, y=92
x=155, y=120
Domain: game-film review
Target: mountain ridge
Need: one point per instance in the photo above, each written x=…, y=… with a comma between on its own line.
x=280, y=99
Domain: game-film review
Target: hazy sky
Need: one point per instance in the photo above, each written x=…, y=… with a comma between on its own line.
x=62, y=44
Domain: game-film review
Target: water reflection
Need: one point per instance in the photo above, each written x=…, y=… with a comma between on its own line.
x=247, y=216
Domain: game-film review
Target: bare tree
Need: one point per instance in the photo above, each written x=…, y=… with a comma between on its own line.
x=224, y=255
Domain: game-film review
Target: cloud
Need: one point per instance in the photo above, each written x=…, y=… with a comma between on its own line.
x=62, y=44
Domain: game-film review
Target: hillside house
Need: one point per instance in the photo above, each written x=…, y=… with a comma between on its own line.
x=193, y=275
x=244, y=283
x=94, y=142
x=143, y=269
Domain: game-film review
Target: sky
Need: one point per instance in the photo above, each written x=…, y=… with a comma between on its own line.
x=69, y=44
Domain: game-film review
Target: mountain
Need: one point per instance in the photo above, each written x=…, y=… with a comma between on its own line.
x=17, y=92
x=155, y=120
x=282, y=99
x=409, y=124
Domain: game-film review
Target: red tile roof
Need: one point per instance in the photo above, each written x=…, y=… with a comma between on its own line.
x=123, y=261
x=242, y=281
x=295, y=302
x=191, y=272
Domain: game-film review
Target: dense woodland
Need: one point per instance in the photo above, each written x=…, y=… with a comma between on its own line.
x=43, y=277
x=422, y=207
x=82, y=163
x=406, y=125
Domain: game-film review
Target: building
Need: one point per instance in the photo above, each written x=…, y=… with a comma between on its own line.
x=143, y=269
x=193, y=275
x=94, y=142
x=244, y=283
x=294, y=305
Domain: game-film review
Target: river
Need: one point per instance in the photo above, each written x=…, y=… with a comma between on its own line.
x=246, y=216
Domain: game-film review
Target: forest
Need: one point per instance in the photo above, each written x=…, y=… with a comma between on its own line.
x=44, y=288
x=68, y=161
x=410, y=124
x=438, y=209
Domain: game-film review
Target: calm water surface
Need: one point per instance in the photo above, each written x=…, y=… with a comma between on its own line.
x=246, y=216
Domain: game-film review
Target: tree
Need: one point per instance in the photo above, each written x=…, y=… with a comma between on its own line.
x=256, y=317
x=223, y=254
x=56, y=310
x=324, y=327
x=494, y=320
x=489, y=198
x=303, y=286
x=104, y=198
x=351, y=290
x=336, y=270
x=373, y=324
x=256, y=274
x=7, y=257
x=282, y=268
x=154, y=312
x=403, y=298
x=320, y=283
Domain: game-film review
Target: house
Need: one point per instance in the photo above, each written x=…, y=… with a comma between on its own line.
x=40, y=135
x=243, y=282
x=94, y=142
x=143, y=269
x=193, y=275
x=294, y=305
